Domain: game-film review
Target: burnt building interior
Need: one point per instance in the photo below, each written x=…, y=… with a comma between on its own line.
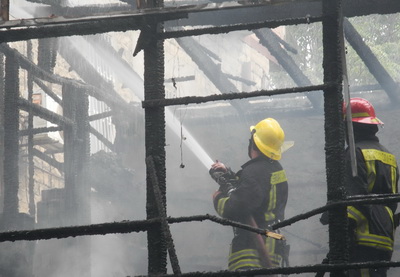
x=105, y=133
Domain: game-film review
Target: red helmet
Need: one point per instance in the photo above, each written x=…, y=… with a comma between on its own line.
x=362, y=111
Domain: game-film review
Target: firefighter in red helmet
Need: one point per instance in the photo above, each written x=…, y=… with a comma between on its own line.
x=362, y=111
x=256, y=195
x=371, y=226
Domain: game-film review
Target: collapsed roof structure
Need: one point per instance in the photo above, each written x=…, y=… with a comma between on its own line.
x=157, y=22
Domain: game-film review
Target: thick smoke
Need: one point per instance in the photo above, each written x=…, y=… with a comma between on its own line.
x=195, y=137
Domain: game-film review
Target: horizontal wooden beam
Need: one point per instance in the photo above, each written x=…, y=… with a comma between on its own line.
x=214, y=14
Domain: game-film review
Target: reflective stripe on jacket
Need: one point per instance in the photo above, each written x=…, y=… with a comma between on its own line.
x=261, y=192
x=377, y=174
x=275, y=198
x=364, y=236
x=249, y=258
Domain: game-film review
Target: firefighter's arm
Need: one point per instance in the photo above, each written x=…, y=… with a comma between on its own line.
x=245, y=198
x=219, y=199
x=223, y=176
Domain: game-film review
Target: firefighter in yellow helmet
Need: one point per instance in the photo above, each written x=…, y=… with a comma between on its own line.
x=371, y=227
x=256, y=195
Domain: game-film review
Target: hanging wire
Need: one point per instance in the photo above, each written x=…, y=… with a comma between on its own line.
x=176, y=62
x=181, y=148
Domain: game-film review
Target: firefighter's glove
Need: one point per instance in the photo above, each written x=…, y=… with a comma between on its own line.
x=216, y=174
x=225, y=179
x=222, y=177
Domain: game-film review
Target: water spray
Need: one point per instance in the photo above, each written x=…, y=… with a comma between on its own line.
x=190, y=141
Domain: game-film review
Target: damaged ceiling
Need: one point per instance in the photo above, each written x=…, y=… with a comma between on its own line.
x=191, y=19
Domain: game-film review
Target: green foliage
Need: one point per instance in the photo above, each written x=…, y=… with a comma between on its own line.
x=380, y=32
x=307, y=40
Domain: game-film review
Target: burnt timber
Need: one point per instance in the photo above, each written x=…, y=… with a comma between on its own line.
x=274, y=12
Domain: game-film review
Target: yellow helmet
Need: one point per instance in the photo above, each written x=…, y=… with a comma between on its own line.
x=269, y=136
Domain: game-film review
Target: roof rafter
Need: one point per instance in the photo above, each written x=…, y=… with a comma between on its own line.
x=190, y=15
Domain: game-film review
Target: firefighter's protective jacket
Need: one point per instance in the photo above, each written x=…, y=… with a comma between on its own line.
x=261, y=191
x=372, y=225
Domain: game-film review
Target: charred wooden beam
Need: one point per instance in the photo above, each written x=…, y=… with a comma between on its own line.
x=2, y=137
x=24, y=29
x=210, y=69
x=228, y=96
x=123, y=227
x=355, y=200
x=334, y=129
x=49, y=160
x=5, y=10
x=239, y=27
x=44, y=113
x=47, y=53
x=100, y=116
x=48, y=91
x=76, y=154
x=35, y=131
x=144, y=225
x=282, y=10
x=270, y=40
x=101, y=138
x=318, y=268
x=274, y=10
x=89, y=74
x=92, y=10
x=81, y=230
x=163, y=215
x=53, y=78
x=155, y=143
x=187, y=15
x=76, y=161
x=11, y=147
x=28, y=65
x=31, y=162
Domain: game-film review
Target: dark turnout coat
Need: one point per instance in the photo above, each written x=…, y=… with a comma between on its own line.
x=371, y=226
x=261, y=192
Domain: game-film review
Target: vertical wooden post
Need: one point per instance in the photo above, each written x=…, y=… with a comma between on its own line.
x=2, y=95
x=11, y=142
x=334, y=129
x=5, y=10
x=16, y=257
x=77, y=187
x=155, y=139
x=31, y=163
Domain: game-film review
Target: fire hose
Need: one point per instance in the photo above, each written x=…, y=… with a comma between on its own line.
x=261, y=246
